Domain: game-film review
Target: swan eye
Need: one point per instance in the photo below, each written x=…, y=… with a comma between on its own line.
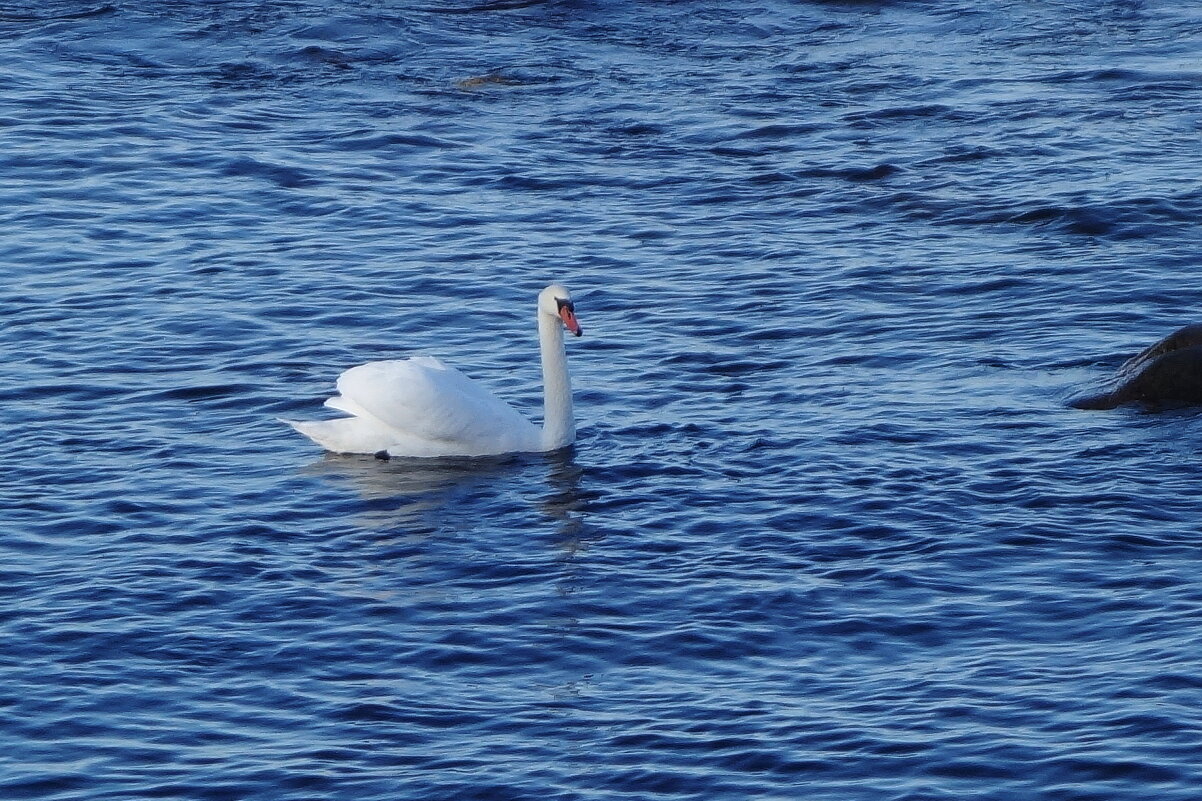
x=565, y=304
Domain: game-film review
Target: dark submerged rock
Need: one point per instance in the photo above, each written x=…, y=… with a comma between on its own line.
x=1166, y=373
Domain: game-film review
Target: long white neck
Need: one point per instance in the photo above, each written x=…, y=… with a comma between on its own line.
x=559, y=427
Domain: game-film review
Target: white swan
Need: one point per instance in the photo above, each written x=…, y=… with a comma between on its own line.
x=422, y=407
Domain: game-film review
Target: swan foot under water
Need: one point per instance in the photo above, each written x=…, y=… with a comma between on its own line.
x=1166, y=373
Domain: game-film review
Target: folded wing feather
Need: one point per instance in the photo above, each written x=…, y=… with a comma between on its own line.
x=427, y=399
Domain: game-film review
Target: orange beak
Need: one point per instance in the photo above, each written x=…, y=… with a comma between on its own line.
x=568, y=315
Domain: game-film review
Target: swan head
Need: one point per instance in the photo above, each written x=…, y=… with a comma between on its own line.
x=556, y=301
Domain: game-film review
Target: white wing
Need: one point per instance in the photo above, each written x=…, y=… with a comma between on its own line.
x=423, y=398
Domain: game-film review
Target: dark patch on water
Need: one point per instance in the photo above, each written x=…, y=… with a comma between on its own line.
x=42, y=14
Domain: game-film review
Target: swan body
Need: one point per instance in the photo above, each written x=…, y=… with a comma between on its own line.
x=423, y=407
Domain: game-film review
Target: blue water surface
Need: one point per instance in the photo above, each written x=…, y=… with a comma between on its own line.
x=829, y=532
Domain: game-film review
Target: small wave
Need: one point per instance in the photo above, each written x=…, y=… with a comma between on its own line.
x=854, y=174
x=499, y=5
x=280, y=174
x=1133, y=85
x=324, y=55
x=372, y=140
x=1119, y=75
x=8, y=16
x=905, y=114
x=780, y=131
x=1132, y=218
x=243, y=73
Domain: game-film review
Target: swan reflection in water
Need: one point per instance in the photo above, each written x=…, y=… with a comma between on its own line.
x=417, y=494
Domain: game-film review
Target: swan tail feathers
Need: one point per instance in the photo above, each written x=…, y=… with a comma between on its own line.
x=344, y=435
